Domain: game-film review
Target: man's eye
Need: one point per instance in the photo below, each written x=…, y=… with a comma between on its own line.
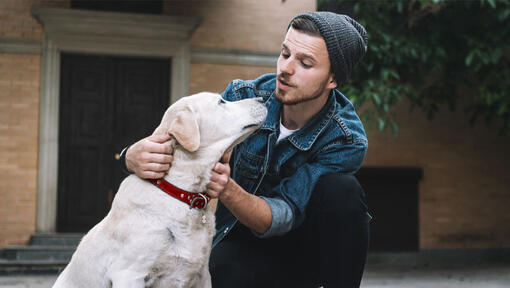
x=306, y=65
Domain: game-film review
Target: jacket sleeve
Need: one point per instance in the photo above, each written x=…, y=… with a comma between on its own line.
x=289, y=199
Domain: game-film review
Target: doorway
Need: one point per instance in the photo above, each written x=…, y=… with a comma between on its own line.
x=393, y=201
x=106, y=103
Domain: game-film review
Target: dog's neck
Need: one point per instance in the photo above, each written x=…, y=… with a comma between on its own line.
x=192, y=171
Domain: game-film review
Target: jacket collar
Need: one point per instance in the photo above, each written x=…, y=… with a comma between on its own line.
x=274, y=108
x=306, y=136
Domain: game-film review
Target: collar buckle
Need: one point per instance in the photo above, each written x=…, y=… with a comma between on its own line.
x=199, y=201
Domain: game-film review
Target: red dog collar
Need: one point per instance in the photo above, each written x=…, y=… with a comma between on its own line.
x=194, y=200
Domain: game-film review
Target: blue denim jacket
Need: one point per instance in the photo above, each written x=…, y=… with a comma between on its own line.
x=285, y=175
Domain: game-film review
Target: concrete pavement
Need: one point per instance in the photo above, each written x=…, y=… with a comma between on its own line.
x=485, y=275
x=476, y=276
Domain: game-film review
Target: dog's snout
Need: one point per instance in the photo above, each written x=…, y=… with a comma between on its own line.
x=258, y=111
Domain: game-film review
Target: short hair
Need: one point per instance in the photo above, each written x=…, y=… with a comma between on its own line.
x=306, y=26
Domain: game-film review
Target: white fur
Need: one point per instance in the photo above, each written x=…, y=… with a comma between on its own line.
x=150, y=239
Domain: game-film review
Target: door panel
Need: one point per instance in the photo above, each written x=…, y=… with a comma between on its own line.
x=106, y=103
x=139, y=84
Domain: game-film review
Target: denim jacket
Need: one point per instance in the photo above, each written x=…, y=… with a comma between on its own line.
x=284, y=175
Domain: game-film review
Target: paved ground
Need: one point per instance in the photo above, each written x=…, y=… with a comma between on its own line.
x=490, y=275
x=485, y=276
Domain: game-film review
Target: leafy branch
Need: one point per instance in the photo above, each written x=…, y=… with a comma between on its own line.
x=428, y=51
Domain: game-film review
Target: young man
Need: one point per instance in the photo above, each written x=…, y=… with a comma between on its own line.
x=290, y=213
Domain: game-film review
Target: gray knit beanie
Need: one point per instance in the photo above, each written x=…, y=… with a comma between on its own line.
x=345, y=39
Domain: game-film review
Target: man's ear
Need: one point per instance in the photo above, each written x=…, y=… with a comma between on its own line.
x=184, y=128
x=331, y=82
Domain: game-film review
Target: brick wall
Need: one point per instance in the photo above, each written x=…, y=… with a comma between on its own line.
x=463, y=194
x=254, y=25
x=19, y=116
x=19, y=85
x=465, y=191
x=216, y=77
x=16, y=20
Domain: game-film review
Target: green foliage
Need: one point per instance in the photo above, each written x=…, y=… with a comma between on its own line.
x=427, y=50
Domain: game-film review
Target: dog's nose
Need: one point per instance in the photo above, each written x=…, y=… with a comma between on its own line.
x=258, y=111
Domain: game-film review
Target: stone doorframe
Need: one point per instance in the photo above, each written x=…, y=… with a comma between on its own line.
x=93, y=32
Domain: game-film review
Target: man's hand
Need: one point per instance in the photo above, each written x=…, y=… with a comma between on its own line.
x=219, y=178
x=251, y=210
x=151, y=157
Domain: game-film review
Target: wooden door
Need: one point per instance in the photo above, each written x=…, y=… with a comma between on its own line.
x=106, y=103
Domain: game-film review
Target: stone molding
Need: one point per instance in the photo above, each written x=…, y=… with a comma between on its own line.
x=93, y=32
x=67, y=22
x=20, y=45
x=198, y=55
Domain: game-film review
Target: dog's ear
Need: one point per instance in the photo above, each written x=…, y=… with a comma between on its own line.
x=185, y=129
x=162, y=129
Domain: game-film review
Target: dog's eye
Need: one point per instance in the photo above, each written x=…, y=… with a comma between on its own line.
x=221, y=101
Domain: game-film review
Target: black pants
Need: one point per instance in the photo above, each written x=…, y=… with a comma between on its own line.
x=329, y=249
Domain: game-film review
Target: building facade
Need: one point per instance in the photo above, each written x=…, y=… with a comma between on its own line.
x=62, y=69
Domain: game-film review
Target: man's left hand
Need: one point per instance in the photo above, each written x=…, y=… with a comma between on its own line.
x=219, y=178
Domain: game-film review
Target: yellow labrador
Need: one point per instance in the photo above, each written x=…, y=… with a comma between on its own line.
x=151, y=239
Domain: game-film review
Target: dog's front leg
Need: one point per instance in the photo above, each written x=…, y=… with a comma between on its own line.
x=203, y=279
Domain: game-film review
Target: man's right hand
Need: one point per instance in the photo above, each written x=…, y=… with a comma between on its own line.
x=151, y=157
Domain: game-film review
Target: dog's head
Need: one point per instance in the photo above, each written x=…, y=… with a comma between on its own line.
x=206, y=121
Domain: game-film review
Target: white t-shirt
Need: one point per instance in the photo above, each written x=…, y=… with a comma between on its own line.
x=284, y=132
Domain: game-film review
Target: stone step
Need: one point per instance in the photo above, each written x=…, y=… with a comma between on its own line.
x=56, y=239
x=38, y=253
x=11, y=267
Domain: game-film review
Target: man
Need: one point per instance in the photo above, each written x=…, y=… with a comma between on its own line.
x=290, y=213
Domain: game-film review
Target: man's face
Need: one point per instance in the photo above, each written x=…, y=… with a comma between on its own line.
x=303, y=69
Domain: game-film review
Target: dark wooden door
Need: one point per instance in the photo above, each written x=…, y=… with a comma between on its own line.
x=106, y=103
x=392, y=199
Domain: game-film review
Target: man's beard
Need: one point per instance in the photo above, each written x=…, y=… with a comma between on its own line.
x=280, y=95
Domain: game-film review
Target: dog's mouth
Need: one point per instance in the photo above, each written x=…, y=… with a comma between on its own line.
x=241, y=139
x=250, y=126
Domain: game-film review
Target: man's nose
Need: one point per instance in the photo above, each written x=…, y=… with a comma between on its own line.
x=287, y=66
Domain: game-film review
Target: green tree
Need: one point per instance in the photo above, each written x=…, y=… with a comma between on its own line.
x=426, y=50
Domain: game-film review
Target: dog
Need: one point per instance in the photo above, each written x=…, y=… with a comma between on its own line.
x=149, y=238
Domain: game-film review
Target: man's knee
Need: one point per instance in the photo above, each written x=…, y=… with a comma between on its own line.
x=225, y=268
x=339, y=193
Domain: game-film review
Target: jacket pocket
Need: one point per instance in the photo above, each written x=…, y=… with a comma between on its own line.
x=249, y=165
x=248, y=168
